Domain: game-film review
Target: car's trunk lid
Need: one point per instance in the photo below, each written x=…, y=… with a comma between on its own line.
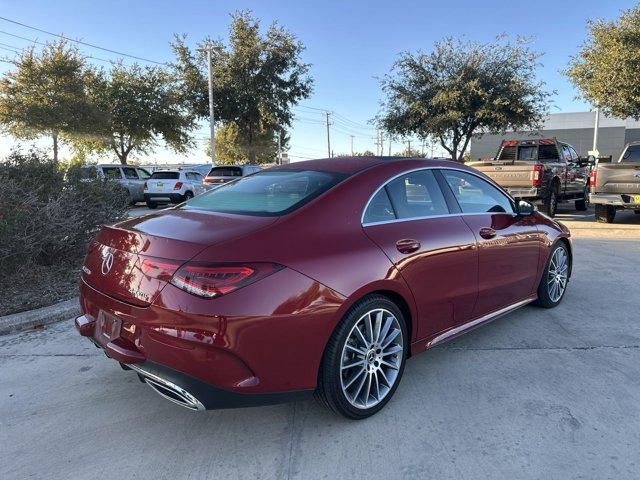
x=117, y=261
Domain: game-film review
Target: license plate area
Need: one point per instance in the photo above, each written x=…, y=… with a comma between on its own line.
x=107, y=328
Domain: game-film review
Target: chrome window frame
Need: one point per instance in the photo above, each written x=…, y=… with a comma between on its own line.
x=457, y=214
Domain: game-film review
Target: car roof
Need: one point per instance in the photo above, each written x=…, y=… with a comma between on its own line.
x=351, y=165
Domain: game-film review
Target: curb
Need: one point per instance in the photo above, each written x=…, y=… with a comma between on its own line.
x=40, y=316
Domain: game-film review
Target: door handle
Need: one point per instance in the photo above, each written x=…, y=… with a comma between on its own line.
x=407, y=245
x=487, y=233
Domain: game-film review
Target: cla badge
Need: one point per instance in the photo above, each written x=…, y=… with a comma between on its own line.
x=107, y=263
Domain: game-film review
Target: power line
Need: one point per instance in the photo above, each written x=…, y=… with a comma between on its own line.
x=21, y=50
x=81, y=42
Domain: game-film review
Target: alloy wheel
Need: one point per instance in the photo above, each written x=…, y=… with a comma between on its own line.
x=371, y=358
x=558, y=274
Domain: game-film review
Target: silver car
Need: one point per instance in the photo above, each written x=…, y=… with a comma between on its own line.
x=130, y=177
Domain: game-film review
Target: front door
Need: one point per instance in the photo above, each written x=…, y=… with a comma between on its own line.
x=508, y=245
x=435, y=252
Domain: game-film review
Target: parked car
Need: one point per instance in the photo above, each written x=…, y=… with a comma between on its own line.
x=131, y=177
x=166, y=186
x=226, y=173
x=320, y=277
x=616, y=186
x=542, y=171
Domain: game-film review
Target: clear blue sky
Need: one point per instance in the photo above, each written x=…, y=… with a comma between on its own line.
x=349, y=43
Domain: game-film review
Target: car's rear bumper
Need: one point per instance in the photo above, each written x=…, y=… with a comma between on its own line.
x=615, y=199
x=183, y=389
x=164, y=197
x=258, y=345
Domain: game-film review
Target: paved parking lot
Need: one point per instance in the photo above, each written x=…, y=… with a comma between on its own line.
x=537, y=394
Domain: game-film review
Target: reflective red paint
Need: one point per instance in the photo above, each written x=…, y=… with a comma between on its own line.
x=269, y=335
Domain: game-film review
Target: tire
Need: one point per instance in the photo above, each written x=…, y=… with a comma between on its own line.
x=152, y=205
x=188, y=196
x=550, y=202
x=637, y=212
x=555, y=277
x=349, y=369
x=605, y=213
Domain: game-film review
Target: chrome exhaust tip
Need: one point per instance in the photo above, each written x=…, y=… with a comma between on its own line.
x=169, y=390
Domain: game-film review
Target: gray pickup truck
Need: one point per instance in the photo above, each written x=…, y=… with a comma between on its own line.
x=543, y=171
x=616, y=185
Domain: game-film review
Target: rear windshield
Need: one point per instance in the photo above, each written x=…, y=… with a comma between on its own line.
x=226, y=172
x=165, y=175
x=267, y=193
x=631, y=154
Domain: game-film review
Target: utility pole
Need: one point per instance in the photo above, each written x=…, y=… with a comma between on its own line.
x=211, y=116
x=381, y=144
x=408, y=147
x=328, y=136
x=351, y=145
x=389, y=145
x=595, y=132
x=279, y=134
x=378, y=142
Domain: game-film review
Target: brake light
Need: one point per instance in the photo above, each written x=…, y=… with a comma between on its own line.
x=536, y=180
x=159, y=268
x=213, y=280
x=593, y=177
x=177, y=186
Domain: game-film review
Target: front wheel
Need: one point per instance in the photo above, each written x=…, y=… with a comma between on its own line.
x=152, y=205
x=364, y=359
x=550, y=203
x=553, y=283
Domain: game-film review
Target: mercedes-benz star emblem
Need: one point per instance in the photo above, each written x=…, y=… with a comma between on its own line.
x=107, y=263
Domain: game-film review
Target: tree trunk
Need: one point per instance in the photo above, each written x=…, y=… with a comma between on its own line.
x=123, y=157
x=54, y=135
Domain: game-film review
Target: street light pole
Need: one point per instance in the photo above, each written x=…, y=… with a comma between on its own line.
x=211, y=116
x=328, y=137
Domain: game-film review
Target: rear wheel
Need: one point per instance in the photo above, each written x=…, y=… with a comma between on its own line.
x=605, y=213
x=637, y=212
x=151, y=204
x=583, y=203
x=553, y=283
x=364, y=359
x=188, y=196
x=550, y=203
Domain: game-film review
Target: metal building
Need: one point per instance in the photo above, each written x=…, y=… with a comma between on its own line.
x=573, y=128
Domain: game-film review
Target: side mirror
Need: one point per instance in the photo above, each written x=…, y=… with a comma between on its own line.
x=524, y=208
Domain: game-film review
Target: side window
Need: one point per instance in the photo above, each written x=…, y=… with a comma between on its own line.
x=417, y=194
x=475, y=195
x=143, y=174
x=112, y=173
x=566, y=154
x=130, y=173
x=379, y=209
x=574, y=155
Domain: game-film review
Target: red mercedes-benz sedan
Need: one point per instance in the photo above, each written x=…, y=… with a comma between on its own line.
x=317, y=277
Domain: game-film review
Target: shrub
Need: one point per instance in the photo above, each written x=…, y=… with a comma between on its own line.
x=49, y=215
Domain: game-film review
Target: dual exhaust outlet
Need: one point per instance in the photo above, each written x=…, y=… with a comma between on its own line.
x=168, y=390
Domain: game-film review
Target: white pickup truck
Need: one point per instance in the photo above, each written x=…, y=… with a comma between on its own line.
x=616, y=185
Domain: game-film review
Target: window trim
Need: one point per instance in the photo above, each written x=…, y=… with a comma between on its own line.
x=436, y=174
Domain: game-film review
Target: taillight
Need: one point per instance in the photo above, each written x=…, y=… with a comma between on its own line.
x=159, y=268
x=536, y=181
x=212, y=280
x=177, y=186
x=593, y=177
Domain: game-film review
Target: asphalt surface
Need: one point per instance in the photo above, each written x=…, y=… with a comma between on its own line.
x=551, y=394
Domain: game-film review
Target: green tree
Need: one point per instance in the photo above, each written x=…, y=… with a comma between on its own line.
x=606, y=71
x=462, y=89
x=139, y=106
x=231, y=150
x=257, y=78
x=47, y=95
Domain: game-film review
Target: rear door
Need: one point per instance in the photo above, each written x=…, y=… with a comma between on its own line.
x=434, y=251
x=509, y=245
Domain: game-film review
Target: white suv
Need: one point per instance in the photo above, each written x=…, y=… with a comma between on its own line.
x=170, y=186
